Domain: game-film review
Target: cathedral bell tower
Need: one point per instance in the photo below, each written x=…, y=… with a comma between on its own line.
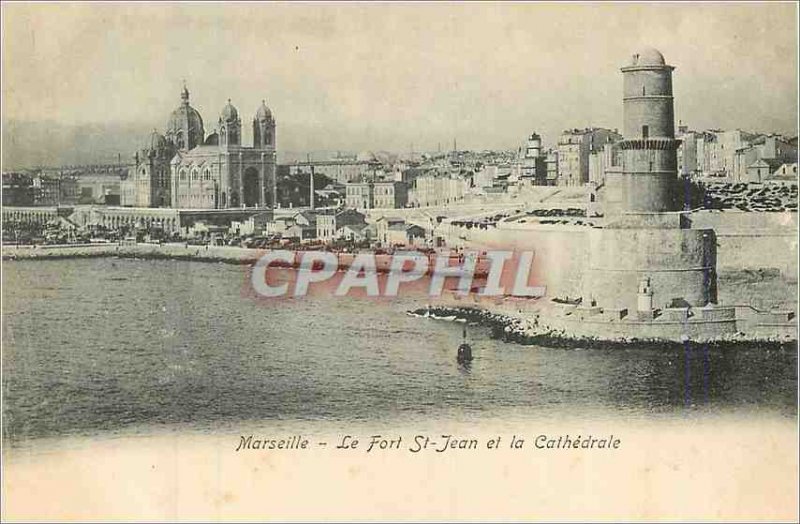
x=230, y=126
x=263, y=128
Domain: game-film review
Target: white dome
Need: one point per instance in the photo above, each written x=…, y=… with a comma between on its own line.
x=648, y=56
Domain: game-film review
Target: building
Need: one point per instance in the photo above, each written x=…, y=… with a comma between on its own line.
x=484, y=178
x=359, y=195
x=383, y=224
x=437, y=189
x=786, y=174
x=46, y=190
x=341, y=171
x=100, y=184
x=404, y=235
x=760, y=170
x=301, y=225
x=395, y=231
x=574, y=148
x=149, y=183
x=533, y=163
x=255, y=224
x=609, y=158
x=185, y=168
x=687, y=152
x=354, y=232
x=330, y=225
x=768, y=151
x=726, y=155
x=702, y=156
x=52, y=187
x=551, y=167
x=390, y=195
x=722, y=152
x=385, y=194
x=17, y=189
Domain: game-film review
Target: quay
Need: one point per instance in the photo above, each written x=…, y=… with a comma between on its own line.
x=210, y=253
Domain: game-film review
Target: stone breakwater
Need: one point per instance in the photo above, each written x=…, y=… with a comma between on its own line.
x=531, y=332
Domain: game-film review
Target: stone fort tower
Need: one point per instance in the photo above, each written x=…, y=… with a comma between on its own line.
x=646, y=252
x=649, y=152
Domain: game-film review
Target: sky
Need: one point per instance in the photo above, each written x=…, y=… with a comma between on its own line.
x=357, y=76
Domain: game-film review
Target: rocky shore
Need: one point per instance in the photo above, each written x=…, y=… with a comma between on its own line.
x=530, y=332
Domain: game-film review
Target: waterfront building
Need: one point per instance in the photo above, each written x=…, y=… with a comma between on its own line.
x=354, y=232
x=300, y=225
x=395, y=231
x=17, y=189
x=184, y=168
x=255, y=224
x=149, y=182
x=329, y=225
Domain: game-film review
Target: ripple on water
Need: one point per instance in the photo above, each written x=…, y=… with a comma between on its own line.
x=171, y=342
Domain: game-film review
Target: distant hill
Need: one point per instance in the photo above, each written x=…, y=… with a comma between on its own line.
x=30, y=144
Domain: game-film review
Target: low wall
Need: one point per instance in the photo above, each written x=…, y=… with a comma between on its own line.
x=677, y=331
x=752, y=240
x=559, y=251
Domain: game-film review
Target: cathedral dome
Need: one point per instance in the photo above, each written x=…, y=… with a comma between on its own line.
x=229, y=113
x=212, y=139
x=185, y=116
x=647, y=56
x=185, y=125
x=156, y=141
x=263, y=112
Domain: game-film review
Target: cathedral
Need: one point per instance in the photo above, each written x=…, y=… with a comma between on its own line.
x=184, y=168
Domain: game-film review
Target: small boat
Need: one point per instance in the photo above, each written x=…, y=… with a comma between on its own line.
x=464, y=350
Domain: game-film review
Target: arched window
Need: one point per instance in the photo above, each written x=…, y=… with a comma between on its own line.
x=194, y=174
x=207, y=174
x=182, y=174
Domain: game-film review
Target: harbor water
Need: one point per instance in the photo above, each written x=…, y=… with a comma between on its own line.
x=98, y=346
